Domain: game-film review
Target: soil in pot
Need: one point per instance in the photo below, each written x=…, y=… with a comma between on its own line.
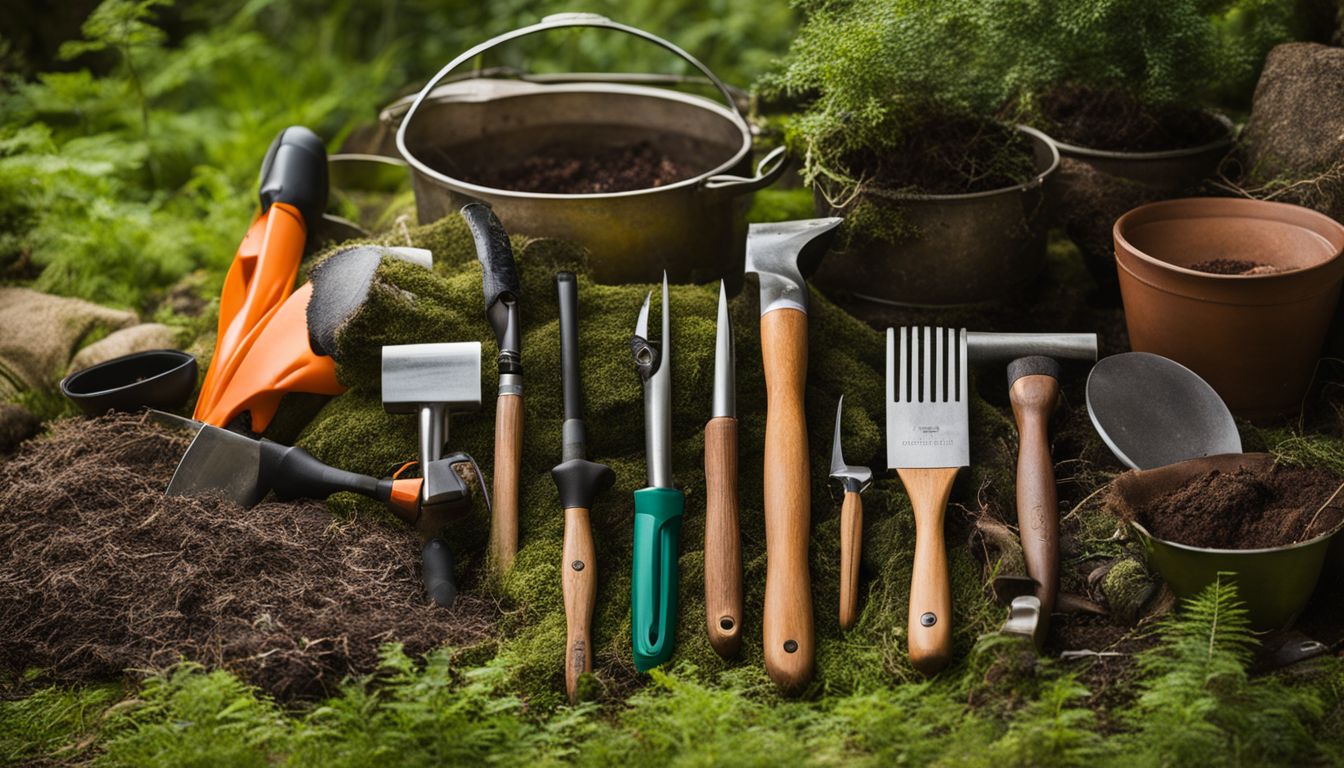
x=1117, y=121
x=1249, y=508
x=1236, y=267
x=567, y=170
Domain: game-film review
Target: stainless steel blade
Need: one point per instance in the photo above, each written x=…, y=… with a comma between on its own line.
x=775, y=251
x=928, y=420
x=725, y=395
x=856, y=478
x=223, y=463
x=658, y=406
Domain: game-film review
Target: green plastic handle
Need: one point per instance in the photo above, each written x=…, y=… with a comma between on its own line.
x=653, y=586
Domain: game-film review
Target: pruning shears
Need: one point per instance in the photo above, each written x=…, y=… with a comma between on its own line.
x=658, y=507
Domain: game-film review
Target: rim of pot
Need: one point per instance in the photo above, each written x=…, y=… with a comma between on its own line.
x=686, y=98
x=1163, y=154
x=1032, y=183
x=1258, y=551
x=1118, y=232
x=183, y=359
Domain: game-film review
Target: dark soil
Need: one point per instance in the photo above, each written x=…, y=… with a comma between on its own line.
x=948, y=157
x=563, y=170
x=100, y=574
x=1234, y=267
x=1247, y=509
x=1118, y=121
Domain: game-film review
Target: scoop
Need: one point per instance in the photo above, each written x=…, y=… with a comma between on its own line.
x=1152, y=411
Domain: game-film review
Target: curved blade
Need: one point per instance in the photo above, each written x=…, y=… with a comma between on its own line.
x=856, y=478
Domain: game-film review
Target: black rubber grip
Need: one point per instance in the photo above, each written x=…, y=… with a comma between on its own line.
x=567, y=289
x=1034, y=365
x=579, y=481
x=295, y=172
x=294, y=473
x=437, y=563
x=494, y=252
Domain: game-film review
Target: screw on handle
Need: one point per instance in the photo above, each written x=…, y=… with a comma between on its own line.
x=723, y=549
x=578, y=581
x=929, y=621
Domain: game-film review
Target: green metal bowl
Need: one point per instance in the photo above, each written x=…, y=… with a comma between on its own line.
x=1274, y=583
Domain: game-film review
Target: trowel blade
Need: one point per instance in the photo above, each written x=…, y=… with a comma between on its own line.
x=223, y=463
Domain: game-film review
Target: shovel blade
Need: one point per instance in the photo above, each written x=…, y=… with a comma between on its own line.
x=221, y=463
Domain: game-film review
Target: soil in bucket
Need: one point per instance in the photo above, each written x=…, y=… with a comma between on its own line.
x=1117, y=121
x=565, y=170
x=1249, y=508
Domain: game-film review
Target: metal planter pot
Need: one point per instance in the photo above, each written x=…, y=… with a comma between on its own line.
x=1274, y=583
x=694, y=228
x=968, y=248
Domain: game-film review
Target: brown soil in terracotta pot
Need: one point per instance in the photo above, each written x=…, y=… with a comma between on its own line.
x=1250, y=508
x=1235, y=267
x=566, y=171
x=948, y=156
x=1118, y=121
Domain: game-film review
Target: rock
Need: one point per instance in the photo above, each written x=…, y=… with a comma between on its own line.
x=137, y=338
x=39, y=333
x=1128, y=587
x=1296, y=129
x=16, y=425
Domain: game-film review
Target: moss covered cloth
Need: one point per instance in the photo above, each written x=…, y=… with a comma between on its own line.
x=409, y=304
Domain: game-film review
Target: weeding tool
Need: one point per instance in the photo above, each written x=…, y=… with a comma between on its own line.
x=433, y=381
x=723, y=549
x=780, y=253
x=293, y=193
x=856, y=480
x=502, y=293
x=578, y=481
x=928, y=442
x=659, y=506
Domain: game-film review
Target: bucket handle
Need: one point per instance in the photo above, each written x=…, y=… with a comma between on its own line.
x=768, y=171
x=558, y=21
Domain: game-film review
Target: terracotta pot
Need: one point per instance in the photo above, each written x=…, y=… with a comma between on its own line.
x=963, y=249
x=1254, y=338
x=1275, y=583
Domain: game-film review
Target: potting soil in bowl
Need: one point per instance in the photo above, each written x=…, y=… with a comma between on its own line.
x=567, y=170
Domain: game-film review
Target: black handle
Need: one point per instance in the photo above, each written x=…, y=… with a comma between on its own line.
x=567, y=287
x=295, y=172
x=494, y=253
x=437, y=562
x=294, y=473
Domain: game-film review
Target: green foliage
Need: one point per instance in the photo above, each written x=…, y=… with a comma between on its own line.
x=51, y=721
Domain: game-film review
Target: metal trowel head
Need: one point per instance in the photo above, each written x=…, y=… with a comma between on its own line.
x=223, y=463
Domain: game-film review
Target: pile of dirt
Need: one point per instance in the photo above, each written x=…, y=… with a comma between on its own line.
x=1235, y=267
x=101, y=574
x=1247, y=508
x=563, y=170
x=1118, y=121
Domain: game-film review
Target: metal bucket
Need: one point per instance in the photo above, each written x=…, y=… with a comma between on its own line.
x=695, y=228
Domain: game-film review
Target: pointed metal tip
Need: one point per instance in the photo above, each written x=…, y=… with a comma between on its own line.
x=642, y=324
x=837, y=457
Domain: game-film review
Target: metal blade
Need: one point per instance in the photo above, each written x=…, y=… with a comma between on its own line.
x=173, y=421
x=837, y=458
x=856, y=479
x=928, y=417
x=642, y=324
x=223, y=463
x=725, y=362
x=781, y=253
x=658, y=404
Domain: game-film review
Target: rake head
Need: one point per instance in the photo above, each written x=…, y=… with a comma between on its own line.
x=928, y=420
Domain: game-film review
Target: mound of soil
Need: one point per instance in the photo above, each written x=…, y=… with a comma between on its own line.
x=1247, y=509
x=1234, y=267
x=101, y=574
x=563, y=170
x=1118, y=121
x=950, y=156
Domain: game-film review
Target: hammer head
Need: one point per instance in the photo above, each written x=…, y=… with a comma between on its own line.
x=416, y=375
x=783, y=253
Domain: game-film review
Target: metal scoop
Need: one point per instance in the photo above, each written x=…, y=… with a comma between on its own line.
x=1152, y=411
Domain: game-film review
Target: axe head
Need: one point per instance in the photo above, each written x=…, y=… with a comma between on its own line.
x=783, y=253
x=417, y=375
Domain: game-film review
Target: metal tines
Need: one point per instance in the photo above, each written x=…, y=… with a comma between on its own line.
x=927, y=384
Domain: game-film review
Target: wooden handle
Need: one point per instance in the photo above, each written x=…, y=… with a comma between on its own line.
x=851, y=541
x=787, y=624
x=1033, y=399
x=723, y=551
x=929, y=622
x=508, y=461
x=579, y=583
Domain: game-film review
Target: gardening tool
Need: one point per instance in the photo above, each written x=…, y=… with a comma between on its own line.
x=928, y=442
x=578, y=480
x=500, y=282
x=293, y=193
x=160, y=378
x=780, y=253
x=856, y=480
x=692, y=227
x=292, y=349
x=659, y=506
x=723, y=550
x=1033, y=390
x=1152, y=411
x=433, y=381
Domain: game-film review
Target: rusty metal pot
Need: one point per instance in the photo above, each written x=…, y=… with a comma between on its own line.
x=695, y=228
x=964, y=249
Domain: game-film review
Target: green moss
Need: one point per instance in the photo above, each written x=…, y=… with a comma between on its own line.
x=1127, y=586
